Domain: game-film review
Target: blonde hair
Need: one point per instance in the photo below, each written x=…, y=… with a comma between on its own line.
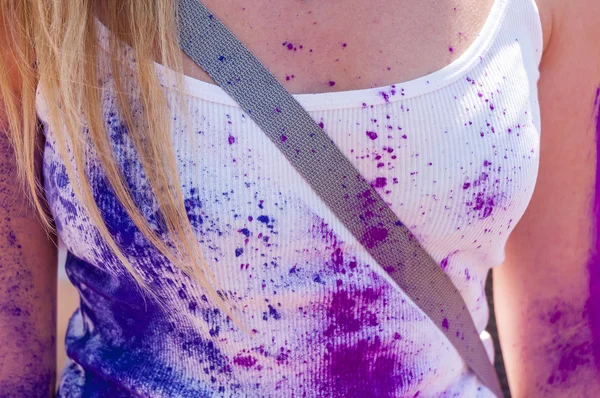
x=55, y=46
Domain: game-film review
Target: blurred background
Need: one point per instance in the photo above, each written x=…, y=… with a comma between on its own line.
x=68, y=301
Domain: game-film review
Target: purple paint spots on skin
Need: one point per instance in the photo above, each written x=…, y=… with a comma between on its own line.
x=331, y=83
x=372, y=135
x=231, y=140
x=593, y=266
x=451, y=49
x=344, y=45
x=568, y=349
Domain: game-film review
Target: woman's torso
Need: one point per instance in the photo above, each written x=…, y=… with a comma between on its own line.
x=455, y=153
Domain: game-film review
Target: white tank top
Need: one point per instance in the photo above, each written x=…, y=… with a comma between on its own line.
x=455, y=154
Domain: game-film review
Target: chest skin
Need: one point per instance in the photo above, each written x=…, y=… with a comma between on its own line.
x=315, y=46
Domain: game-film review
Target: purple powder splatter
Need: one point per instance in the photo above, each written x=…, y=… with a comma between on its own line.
x=231, y=140
x=380, y=182
x=364, y=369
x=444, y=263
x=349, y=311
x=372, y=135
x=245, y=361
x=374, y=236
x=445, y=324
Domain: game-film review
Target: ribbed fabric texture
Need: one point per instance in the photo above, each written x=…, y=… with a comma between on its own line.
x=455, y=154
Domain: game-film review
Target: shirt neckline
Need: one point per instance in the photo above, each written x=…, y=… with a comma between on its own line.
x=360, y=97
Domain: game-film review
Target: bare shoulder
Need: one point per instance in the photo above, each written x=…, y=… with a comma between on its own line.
x=564, y=18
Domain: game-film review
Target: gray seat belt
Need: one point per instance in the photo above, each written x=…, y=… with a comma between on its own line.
x=335, y=179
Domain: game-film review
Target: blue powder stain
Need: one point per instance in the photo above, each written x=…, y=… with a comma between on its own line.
x=263, y=219
x=239, y=251
x=273, y=312
x=68, y=206
x=61, y=178
x=245, y=231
